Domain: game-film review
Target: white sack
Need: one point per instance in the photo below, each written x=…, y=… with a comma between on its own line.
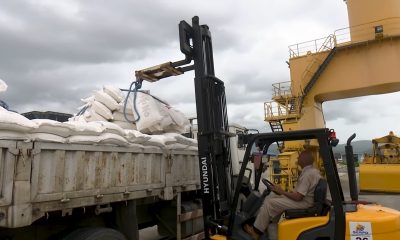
x=182, y=139
x=15, y=122
x=52, y=127
x=85, y=128
x=82, y=139
x=46, y=137
x=110, y=127
x=76, y=118
x=134, y=136
x=119, y=116
x=179, y=118
x=176, y=146
x=114, y=139
x=137, y=146
x=106, y=138
x=106, y=100
x=102, y=110
x=114, y=92
x=160, y=141
x=151, y=148
x=129, y=106
x=91, y=116
x=125, y=125
x=13, y=135
x=148, y=110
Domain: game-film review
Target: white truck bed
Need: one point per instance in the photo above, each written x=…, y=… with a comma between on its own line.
x=40, y=177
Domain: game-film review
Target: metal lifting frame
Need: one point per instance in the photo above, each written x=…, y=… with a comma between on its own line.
x=213, y=132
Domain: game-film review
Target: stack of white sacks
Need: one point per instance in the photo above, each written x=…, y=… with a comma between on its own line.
x=102, y=122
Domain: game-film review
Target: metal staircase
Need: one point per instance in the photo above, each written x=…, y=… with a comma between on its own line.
x=319, y=71
x=276, y=126
x=285, y=107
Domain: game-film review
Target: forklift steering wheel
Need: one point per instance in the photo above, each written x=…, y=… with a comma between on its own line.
x=267, y=183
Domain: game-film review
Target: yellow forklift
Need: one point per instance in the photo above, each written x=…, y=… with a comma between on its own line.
x=223, y=218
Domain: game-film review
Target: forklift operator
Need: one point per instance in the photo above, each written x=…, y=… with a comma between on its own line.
x=301, y=198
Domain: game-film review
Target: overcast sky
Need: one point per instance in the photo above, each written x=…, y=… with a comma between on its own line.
x=53, y=53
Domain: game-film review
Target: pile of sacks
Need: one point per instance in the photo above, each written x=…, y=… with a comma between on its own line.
x=14, y=126
x=146, y=114
x=102, y=122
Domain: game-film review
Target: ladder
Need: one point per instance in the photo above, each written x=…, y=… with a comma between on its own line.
x=276, y=126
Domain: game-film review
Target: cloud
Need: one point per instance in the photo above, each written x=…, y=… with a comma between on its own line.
x=56, y=52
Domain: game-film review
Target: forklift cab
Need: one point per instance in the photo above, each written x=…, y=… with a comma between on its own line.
x=324, y=220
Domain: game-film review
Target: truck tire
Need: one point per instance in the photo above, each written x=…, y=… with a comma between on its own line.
x=95, y=234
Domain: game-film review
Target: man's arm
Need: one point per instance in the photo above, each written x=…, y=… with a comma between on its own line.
x=292, y=195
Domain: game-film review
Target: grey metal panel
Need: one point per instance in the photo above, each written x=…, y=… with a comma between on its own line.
x=184, y=168
x=66, y=171
x=40, y=177
x=8, y=155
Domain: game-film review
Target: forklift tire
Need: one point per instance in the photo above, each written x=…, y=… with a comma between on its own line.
x=95, y=233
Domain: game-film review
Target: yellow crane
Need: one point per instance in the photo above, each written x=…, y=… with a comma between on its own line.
x=360, y=60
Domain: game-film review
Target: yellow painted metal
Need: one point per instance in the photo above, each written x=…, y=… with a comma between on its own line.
x=380, y=177
x=350, y=62
x=283, y=170
x=291, y=229
x=385, y=223
x=218, y=237
x=380, y=171
x=371, y=13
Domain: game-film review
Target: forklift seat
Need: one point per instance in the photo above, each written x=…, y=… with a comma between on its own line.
x=319, y=208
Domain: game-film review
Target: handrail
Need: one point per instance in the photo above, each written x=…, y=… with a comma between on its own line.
x=282, y=89
x=313, y=46
x=290, y=109
x=341, y=36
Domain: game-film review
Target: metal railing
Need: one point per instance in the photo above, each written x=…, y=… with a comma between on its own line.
x=313, y=46
x=346, y=36
x=276, y=111
x=282, y=89
x=366, y=31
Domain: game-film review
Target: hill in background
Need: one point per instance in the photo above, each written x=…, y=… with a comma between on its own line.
x=359, y=147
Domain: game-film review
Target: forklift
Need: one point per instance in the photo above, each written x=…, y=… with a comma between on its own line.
x=223, y=218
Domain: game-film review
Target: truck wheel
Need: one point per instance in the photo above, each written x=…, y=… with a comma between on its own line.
x=95, y=234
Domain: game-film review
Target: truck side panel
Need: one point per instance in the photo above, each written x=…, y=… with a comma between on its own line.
x=37, y=178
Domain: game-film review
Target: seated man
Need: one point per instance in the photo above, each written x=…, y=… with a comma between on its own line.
x=301, y=198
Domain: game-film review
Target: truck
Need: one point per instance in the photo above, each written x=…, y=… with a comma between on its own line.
x=55, y=190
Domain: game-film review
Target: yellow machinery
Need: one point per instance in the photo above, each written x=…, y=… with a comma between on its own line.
x=360, y=60
x=381, y=171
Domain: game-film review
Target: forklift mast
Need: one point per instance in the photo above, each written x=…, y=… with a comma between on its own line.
x=213, y=133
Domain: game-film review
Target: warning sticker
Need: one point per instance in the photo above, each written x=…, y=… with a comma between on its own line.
x=360, y=231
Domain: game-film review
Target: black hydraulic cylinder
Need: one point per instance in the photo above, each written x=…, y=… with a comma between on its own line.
x=351, y=170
